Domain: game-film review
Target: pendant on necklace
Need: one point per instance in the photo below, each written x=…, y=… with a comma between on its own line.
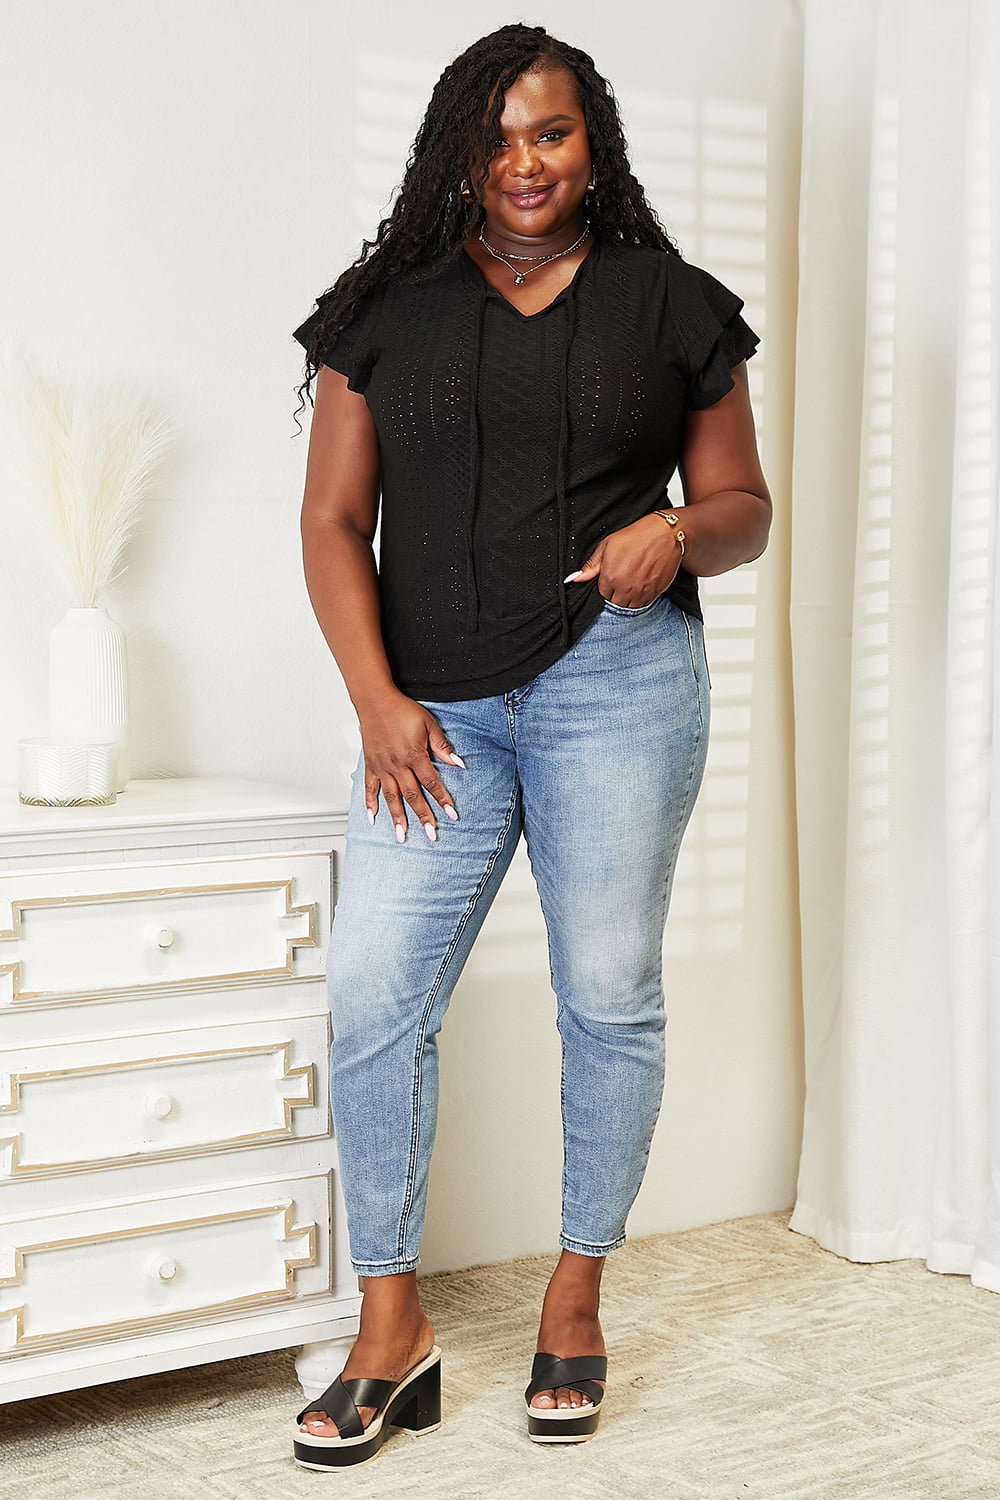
x=518, y=278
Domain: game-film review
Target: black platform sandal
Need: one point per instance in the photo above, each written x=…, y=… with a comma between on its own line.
x=572, y=1424
x=412, y=1404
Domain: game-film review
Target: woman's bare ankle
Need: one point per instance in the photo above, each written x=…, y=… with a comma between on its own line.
x=575, y=1286
x=569, y=1325
x=395, y=1334
x=394, y=1326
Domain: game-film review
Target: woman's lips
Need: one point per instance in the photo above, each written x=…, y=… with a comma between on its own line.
x=528, y=198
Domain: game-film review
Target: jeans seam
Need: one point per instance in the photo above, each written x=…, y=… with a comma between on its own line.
x=425, y=1017
x=516, y=699
x=694, y=659
x=691, y=790
x=688, y=804
x=562, y=1112
x=694, y=666
x=690, y=796
x=508, y=709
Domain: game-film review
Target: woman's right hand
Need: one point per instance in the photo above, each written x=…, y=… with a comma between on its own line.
x=398, y=737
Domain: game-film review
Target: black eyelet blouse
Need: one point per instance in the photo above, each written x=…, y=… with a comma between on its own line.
x=510, y=444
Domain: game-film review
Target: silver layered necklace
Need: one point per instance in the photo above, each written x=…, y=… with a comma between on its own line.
x=542, y=260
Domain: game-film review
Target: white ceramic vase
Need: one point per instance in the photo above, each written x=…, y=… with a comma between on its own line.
x=88, y=681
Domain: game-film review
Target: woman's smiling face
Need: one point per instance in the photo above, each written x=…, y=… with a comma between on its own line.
x=540, y=167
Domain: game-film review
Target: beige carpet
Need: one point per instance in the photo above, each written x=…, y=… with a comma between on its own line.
x=745, y=1364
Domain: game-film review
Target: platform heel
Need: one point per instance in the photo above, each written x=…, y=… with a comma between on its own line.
x=412, y=1404
x=422, y=1412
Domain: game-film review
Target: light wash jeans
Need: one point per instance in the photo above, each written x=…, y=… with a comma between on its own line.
x=598, y=761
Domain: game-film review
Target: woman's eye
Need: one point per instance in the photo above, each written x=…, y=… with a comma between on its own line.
x=499, y=144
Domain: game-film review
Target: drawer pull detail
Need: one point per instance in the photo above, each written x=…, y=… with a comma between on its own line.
x=75, y=945
x=188, y=1104
x=160, y=1107
x=84, y=1287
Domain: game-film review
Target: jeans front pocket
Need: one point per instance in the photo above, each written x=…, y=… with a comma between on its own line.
x=622, y=609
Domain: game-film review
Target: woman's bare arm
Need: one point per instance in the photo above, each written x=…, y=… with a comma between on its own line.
x=728, y=505
x=339, y=516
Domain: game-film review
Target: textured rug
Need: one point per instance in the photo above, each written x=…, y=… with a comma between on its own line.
x=745, y=1364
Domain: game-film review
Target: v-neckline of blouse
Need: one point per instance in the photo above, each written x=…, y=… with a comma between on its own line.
x=559, y=297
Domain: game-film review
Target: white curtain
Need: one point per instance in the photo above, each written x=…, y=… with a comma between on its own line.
x=894, y=631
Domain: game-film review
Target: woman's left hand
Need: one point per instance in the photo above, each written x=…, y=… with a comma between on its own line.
x=635, y=565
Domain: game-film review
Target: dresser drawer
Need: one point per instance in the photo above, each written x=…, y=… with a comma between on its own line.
x=109, y=1271
x=68, y=936
x=76, y=1106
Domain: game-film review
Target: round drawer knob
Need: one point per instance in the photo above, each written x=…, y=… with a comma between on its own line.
x=160, y=1106
x=165, y=937
x=161, y=1268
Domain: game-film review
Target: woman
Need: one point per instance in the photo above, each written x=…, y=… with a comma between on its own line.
x=515, y=366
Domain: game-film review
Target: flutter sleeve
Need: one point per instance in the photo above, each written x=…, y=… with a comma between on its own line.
x=714, y=336
x=354, y=350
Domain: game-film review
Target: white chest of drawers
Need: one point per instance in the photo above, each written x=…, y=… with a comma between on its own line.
x=168, y=1190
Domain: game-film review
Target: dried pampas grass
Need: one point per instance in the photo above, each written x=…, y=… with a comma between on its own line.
x=82, y=458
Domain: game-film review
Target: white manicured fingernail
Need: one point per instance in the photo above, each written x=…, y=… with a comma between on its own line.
x=400, y=832
x=431, y=832
x=450, y=812
x=457, y=760
x=371, y=815
x=573, y=576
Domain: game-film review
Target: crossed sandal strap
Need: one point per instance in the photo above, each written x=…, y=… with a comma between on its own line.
x=341, y=1400
x=580, y=1374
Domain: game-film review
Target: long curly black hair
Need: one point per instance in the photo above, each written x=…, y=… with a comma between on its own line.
x=430, y=220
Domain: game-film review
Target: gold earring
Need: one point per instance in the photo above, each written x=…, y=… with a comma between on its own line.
x=466, y=192
x=592, y=185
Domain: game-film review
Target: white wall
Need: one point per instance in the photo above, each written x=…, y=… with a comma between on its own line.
x=180, y=180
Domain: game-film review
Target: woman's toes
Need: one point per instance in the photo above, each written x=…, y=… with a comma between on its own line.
x=568, y=1399
x=564, y=1399
x=319, y=1427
